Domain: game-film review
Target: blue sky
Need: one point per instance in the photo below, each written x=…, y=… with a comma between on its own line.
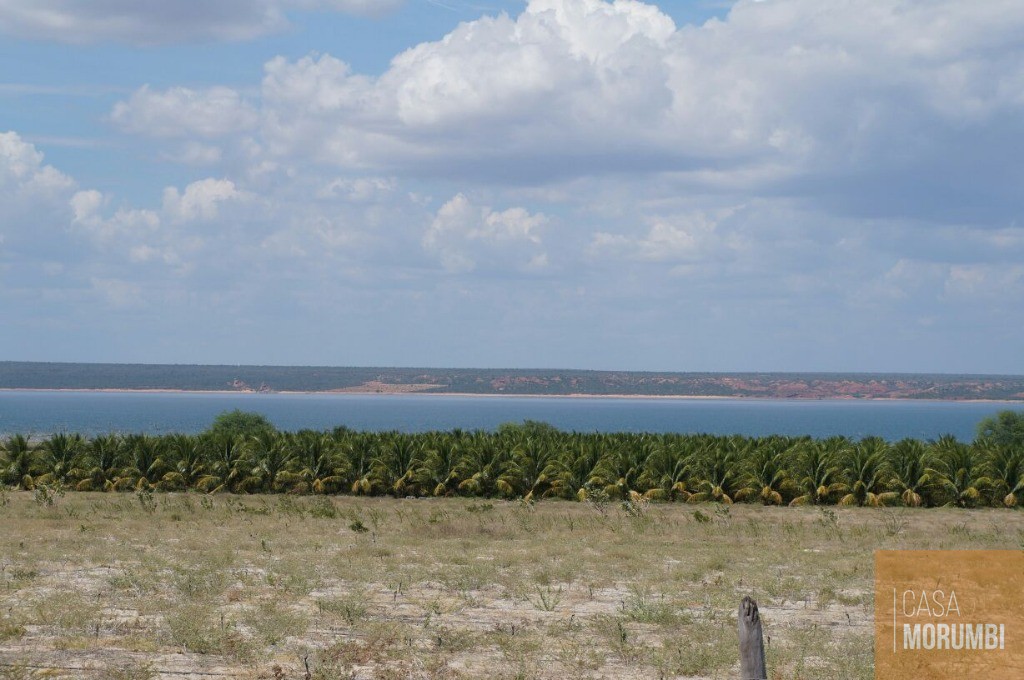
x=783, y=185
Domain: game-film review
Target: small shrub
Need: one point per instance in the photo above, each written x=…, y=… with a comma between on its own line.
x=451, y=640
x=636, y=507
x=133, y=582
x=643, y=607
x=548, y=598
x=191, y=628
x=130, y=671
x=46, y=495
x=146, y=501
x=829, y=520
x=598, y=499
x=287, y=506
x=894, y=522
x=271, y=623
x=199, y=581
x=706, y=650
x=323, y=508
x=69, y=613
x=19, y=576
x=17, y=670
x=352, y=609
x=11, y=631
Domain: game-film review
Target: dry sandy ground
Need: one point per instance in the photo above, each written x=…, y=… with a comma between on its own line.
x=173, y=586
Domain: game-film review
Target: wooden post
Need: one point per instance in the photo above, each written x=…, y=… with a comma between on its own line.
x=751, y=642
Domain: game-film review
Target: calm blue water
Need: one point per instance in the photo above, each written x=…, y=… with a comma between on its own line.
x=97, y=412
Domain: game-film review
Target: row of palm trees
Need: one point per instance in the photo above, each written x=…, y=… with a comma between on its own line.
x=531, y=461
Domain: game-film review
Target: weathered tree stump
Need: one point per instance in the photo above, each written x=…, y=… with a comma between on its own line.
x=751, y=642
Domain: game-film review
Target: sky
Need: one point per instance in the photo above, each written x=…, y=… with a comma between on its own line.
x=774, y=185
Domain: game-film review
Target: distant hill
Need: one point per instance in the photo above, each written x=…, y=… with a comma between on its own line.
x=51, y=376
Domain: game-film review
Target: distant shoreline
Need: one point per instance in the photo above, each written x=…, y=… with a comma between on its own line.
x=491, y=395
x=492, y=382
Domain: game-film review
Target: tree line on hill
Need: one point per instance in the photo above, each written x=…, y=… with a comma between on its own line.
x=244, y=453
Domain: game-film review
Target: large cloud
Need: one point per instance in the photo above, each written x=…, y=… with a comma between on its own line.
x=33, y=197
x=45, y=216
x=348, y=257
x=806, y=184
x=492, y=98
x=161, y=21
x=906, y=103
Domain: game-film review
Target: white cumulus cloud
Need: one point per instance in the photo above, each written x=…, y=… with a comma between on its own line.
x=23, y=173
x=200, y=200
x=33, y=197
x=857, y=105
x=673, y=238
x=463, y=234
x=181, y=112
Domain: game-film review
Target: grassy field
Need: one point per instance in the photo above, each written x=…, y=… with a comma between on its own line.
x=138, y=585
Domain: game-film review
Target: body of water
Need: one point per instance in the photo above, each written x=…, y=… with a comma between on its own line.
x=40, y=413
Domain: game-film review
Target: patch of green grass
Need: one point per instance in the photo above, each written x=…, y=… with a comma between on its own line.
x=643, y=606
x=199, y=629
x=132, y=670
x=11, y=631
x=272, y=622
x=351, y=609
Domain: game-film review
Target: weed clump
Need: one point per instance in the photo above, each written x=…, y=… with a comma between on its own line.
x=323, y=508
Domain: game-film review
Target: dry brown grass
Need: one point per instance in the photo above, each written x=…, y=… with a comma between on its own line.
x=114, y=586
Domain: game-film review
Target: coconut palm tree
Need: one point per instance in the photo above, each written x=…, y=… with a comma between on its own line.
x=958, y=471
x=1004, y=473
x=481, y=466
x=575, y=471
x=909, y=475
x=18, y=463
x=766, y=474
x=145, y=462
x=668, y=468
x=394, y=467
x=267, y=456
x=817, y=472
x=224, y=463
x=619, y=471
x=187, y=458
x=103, y=461
x=718, y=470
x=60, y=455
x=864, y=471
x=318, y=466
x=526, y=474
x=438, y=471
x=361, y=451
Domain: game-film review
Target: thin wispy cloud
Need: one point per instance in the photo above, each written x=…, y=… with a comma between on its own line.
x=96, y=90
x=152, y=22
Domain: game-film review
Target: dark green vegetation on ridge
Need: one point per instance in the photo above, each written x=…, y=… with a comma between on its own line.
x=551, y=382
x=242, y=453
